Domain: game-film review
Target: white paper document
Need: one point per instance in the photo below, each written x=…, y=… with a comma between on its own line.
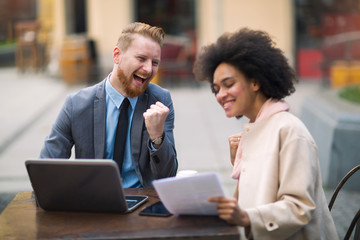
x=189, y=195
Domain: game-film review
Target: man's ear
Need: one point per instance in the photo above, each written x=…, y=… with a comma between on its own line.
x=116, y=54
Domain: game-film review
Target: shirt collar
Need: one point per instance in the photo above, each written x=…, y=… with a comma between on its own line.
x=117, y=97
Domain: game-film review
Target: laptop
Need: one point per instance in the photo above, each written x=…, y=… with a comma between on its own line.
x=87, y=185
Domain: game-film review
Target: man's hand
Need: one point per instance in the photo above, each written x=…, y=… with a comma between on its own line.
x=155, y=118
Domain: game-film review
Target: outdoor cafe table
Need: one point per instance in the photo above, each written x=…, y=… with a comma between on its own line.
x=22, y=219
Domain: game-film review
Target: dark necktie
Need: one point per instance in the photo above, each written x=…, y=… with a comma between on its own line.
x=121, y=133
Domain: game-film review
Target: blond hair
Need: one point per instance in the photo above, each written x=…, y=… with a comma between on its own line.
x=127, y=35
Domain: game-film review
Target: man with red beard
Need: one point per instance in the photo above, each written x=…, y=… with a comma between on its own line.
x=88, y=119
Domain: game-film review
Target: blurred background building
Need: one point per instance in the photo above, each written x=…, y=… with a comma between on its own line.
x=317, y=36
x=81, y=32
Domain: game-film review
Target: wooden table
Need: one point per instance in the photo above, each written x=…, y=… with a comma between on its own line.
x=22, y=219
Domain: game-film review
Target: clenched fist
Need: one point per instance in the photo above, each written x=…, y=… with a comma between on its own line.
x=234, y=141
x=155, y=118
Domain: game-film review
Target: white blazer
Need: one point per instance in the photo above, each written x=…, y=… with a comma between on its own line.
x=280, y=183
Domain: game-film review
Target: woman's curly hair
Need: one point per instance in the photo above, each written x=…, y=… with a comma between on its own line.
x=254, y=54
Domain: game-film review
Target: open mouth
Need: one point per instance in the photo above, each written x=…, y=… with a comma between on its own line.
x=140, y=79
x=227, y=104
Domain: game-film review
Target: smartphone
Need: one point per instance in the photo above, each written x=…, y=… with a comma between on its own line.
x=155, y=209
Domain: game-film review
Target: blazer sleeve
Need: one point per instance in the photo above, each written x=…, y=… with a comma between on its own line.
x=163, y=161
x=59, y=142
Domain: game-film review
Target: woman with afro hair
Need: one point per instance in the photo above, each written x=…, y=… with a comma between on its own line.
x=279, y=194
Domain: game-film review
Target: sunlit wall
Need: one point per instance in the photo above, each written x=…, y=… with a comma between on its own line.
x=218, y=16
x=106, y=18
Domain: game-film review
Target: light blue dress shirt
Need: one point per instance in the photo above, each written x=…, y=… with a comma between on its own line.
x=113, y=103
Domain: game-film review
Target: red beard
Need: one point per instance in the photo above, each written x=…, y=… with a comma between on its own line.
x=130, y=89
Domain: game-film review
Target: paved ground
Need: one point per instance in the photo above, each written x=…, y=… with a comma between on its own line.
x=30, y=104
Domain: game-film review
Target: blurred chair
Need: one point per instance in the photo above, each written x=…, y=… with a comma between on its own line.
x=356, y=220
x=339, y=47
x=176, y=60
x=29, y=51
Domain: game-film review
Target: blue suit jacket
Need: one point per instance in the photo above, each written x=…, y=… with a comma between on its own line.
x=81, y=123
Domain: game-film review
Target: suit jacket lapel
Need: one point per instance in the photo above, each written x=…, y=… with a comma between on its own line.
x=100, y=121
x=137, y=126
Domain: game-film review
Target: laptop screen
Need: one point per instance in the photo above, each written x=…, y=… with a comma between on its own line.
x=92, y=185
